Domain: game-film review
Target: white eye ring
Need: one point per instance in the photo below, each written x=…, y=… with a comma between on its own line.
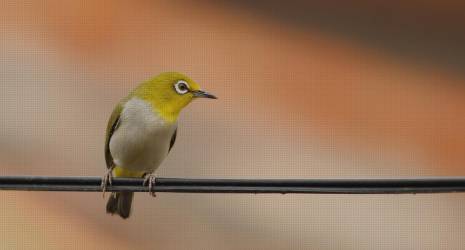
x=181, y=87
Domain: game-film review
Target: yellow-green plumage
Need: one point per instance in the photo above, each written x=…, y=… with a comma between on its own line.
x=142, y=130
x=166, y=102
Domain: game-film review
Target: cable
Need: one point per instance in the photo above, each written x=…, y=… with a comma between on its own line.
x=283, y=186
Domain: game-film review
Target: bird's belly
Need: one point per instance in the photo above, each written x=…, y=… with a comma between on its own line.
x=138, y=151
x=141, y=142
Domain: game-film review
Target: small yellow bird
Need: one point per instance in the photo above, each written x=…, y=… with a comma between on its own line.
x=142, y=130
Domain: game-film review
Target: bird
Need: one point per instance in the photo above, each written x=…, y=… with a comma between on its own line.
x=142, y=130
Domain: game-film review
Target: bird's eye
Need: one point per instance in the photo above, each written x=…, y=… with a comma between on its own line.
x=181, y=87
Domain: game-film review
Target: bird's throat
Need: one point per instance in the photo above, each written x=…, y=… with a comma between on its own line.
x=167, y=113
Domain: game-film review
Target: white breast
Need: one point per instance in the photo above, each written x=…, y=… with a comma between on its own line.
x=142, y=139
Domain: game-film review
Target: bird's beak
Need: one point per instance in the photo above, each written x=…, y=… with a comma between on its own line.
x=203, y=94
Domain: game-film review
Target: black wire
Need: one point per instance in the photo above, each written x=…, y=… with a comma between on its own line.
x=283, y=186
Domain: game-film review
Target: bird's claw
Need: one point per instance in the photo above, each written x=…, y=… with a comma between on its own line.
x=107, y=178
x=150, y=180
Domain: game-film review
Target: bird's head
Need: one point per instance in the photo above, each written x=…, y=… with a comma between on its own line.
x=170, y=92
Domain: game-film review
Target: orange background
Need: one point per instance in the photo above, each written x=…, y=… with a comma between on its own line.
x=307, y=90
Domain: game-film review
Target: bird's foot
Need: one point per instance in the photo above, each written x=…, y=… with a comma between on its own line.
x=106, y=179
x=150, y=180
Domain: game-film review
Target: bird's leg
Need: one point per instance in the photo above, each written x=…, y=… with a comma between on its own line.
x=150, y=180
x=106, y=179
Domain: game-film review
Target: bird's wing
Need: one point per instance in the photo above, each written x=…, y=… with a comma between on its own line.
x=113, y=124
x=173, y=139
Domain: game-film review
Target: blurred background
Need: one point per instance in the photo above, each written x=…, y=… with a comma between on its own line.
x=306, y=90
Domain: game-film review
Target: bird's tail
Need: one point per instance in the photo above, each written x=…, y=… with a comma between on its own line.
x=120, y=203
